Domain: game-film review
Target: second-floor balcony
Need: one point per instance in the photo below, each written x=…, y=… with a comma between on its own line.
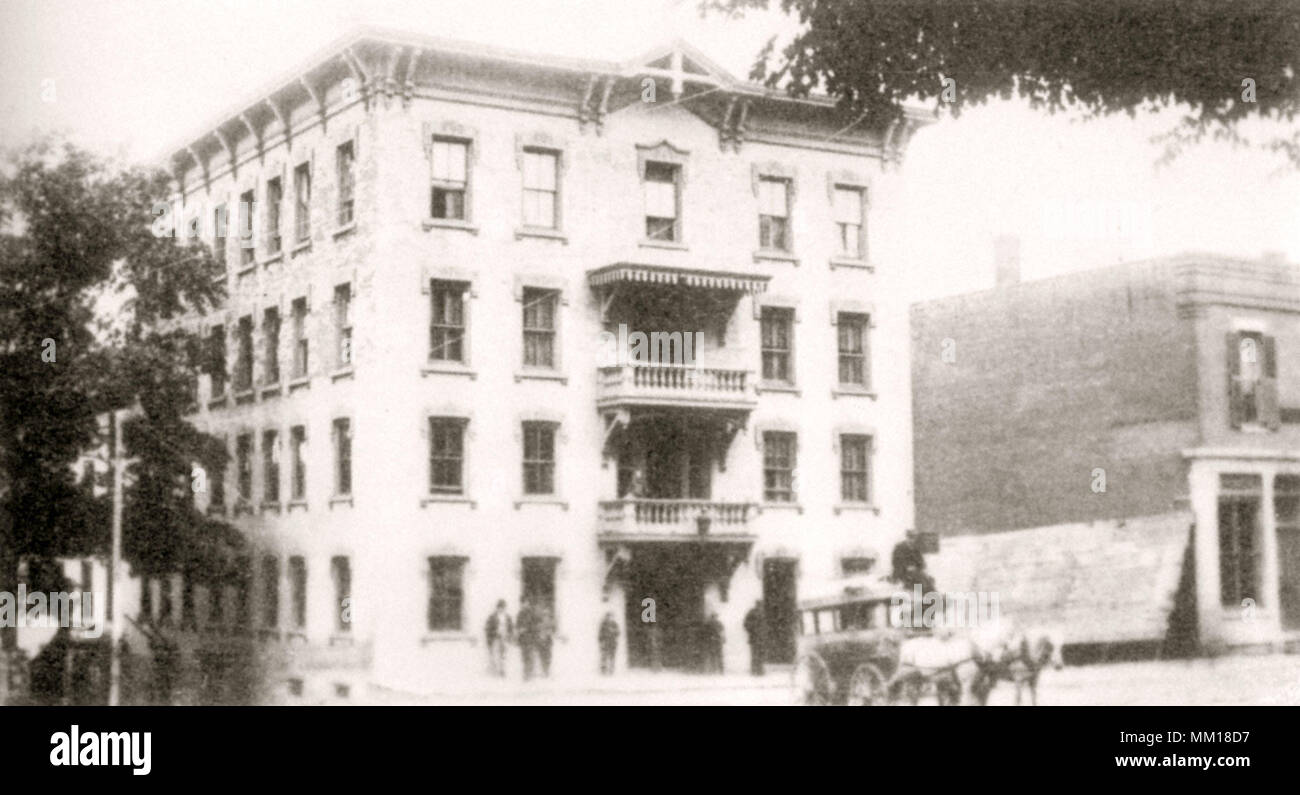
x=689, y=386
x=651, y=517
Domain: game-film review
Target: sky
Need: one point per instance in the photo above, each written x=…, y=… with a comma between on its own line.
x=133, y=77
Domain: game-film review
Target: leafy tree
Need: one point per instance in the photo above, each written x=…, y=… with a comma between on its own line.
x=1221, y=61
x=76, y=237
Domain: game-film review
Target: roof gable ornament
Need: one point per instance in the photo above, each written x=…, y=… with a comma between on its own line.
x=587, y=113
x=731, y=133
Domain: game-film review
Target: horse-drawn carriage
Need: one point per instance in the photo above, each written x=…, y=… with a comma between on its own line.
x=849, y=647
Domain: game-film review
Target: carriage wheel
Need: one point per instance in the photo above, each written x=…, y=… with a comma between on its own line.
x=867, y=686
x=812, y=681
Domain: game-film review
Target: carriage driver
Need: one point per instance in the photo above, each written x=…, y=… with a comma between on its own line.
x=909, y=564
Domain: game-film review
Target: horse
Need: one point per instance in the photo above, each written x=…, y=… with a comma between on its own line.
x=1013, y=656
x=932, y=659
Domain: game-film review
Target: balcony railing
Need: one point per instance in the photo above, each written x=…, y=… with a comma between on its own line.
x=674, y=383
x=675, y=517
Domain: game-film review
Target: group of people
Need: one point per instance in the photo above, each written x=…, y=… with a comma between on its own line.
x=533, y=629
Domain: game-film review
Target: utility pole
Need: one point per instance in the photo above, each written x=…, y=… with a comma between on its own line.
x=114, y=603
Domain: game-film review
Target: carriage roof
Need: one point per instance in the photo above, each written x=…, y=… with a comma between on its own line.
x=850, y=590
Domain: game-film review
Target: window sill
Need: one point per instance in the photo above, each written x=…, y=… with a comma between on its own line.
x=450, y=368
x=245, y=396
x=447, y=499
x=300, y=382
x=243, y=506
x=856, y=506
x=672, y=245
x=772, y=386
x=341, y=639
x=300, y=247
x=540, y=499
x=301, y=504
x=541, y=375
x=343, y=372
x=271, y=506
x=271, y=259
x=775, y=256
x=246, y=269
x=845, y=390
x=341, y=500
x=543, y=232
x=272, y=390
x=346, y=229
x=450, y=636
x=780, y=506
x=216, y=510
x=219, y=402
x=449, y=223
x=855, y=264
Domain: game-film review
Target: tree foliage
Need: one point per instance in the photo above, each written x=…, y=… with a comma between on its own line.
x=75, y=236
x=1096, y=56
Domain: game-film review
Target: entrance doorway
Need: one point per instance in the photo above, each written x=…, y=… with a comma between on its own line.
x=672, y=576
x=780, y=608
x=538, y=582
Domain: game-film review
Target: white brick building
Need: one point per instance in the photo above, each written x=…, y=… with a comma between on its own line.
x=449, y=437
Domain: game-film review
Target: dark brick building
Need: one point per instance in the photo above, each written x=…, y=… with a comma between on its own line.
x=1139, y=390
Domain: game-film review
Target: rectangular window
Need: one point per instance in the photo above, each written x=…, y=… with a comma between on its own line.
x=219, y=235
x=302, y=202
x=244, y=463
x=341, y=574
x=189, y=619
x=243, y=588
x=298, y=591
x=298, y=477
x=274, y=198
x=217, y=361
x=852, y=331
x=447, y=321
x=343, y=325
x=539, y=327
x=271, y=338
x=300, y=339
x=446, y=594
x=1252, y=369
x=541, y=188
x=855, y=468
x=347, y=182
x=244, y=354
x=247, y=252
x=270, y=592
x=848, y=209
x=662, y=201
x=217, y=480
x=446, y=455
x=271, y=466
x=1239, y=549
x=777, y=334
x=539, y=458
x=342, y=457
x=450, y=179
x=774, y=214
x=778, y=466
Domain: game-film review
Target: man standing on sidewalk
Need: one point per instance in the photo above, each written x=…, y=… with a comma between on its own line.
x=608, y=643
x=717, y=637
x=545, y=637
x=526, y=627
x=498, y=630
x=755, y=626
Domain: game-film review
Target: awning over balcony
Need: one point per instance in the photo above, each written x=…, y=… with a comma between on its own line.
x=687, y=277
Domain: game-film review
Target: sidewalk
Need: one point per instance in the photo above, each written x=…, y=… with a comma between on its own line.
x=576, y=689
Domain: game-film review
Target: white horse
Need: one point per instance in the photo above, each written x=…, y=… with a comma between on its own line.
x=1008, y=653
x=934, y=659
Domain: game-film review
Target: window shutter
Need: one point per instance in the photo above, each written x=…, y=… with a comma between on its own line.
x=1270, y=414
x=1234, y=379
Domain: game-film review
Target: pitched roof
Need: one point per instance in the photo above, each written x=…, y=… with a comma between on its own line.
x=1097, y=582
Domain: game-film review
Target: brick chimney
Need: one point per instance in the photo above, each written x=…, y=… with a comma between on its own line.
x=1006, y=259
